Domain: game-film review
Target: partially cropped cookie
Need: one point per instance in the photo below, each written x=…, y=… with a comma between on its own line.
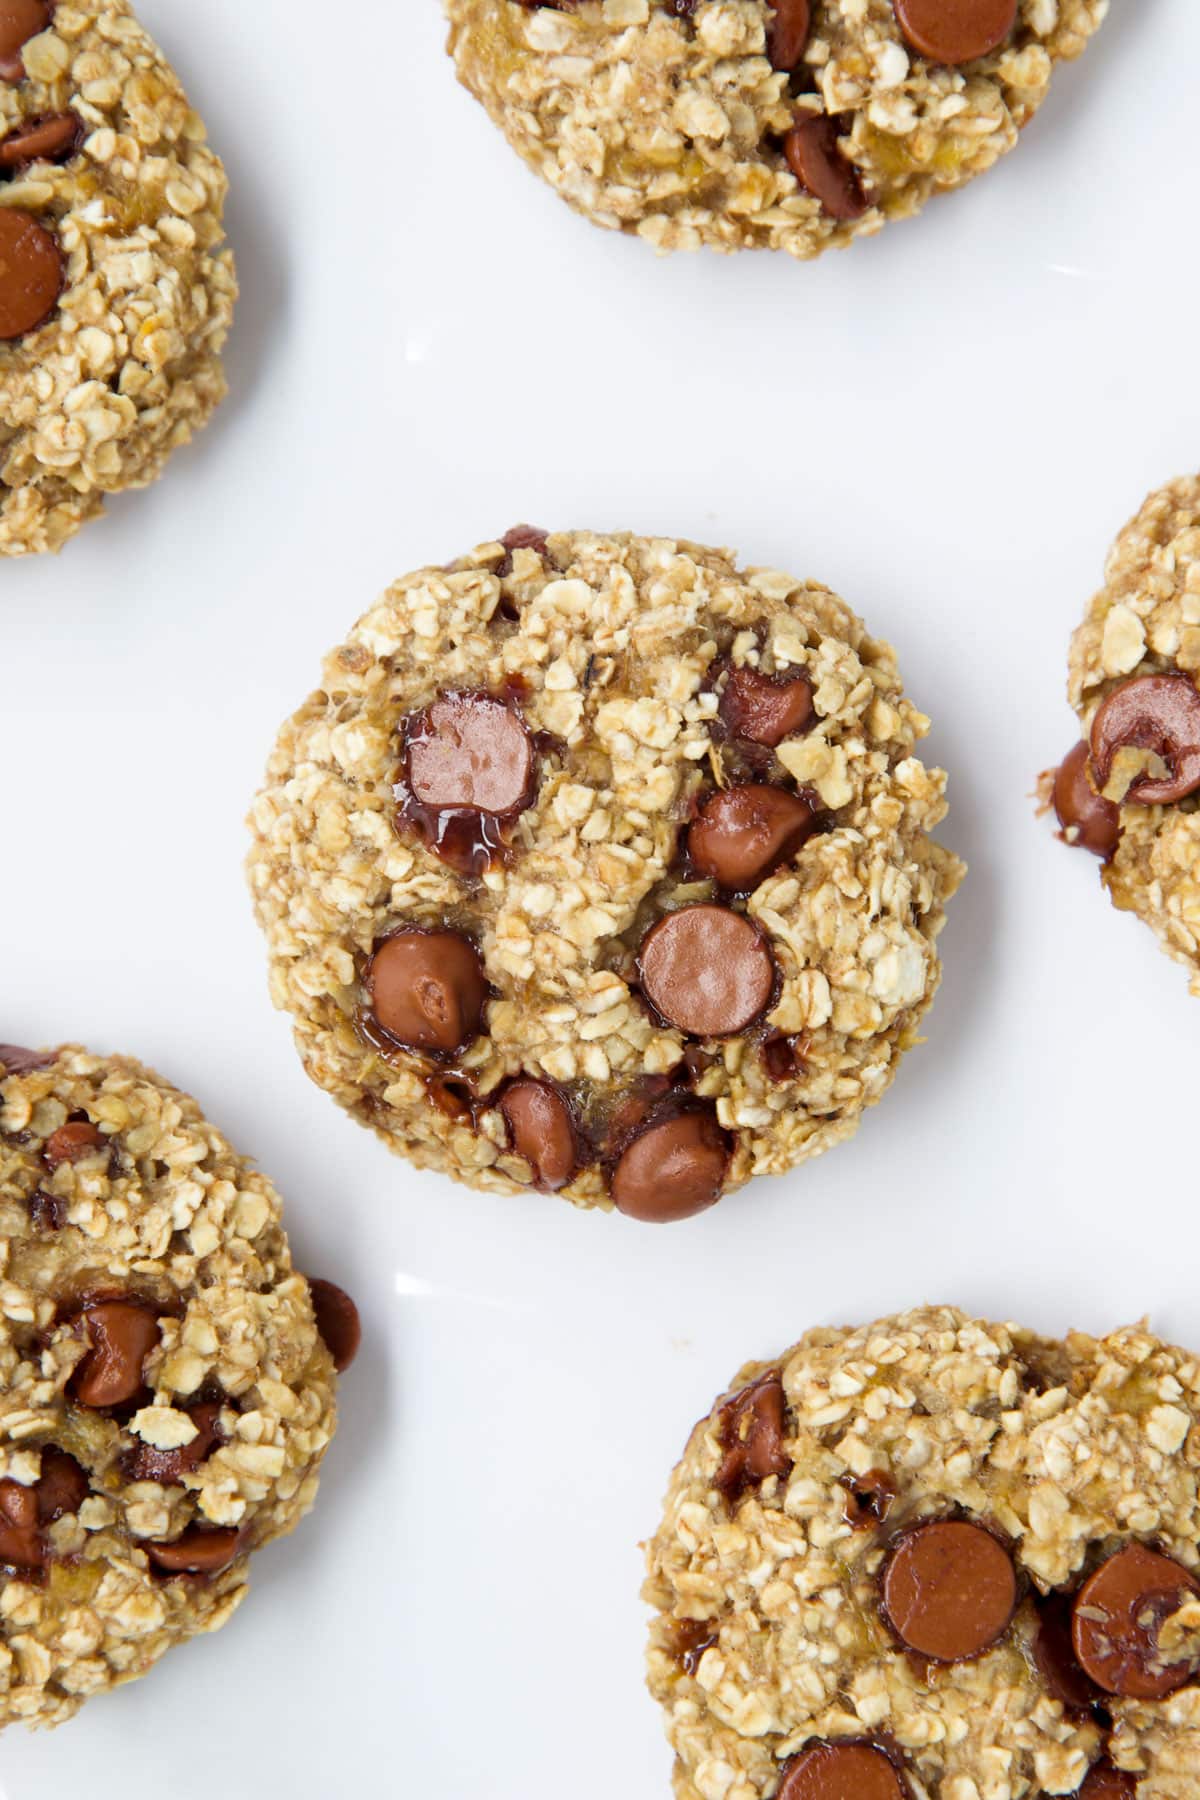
x=740, y=124
x=937, y=1557
x=116, y=289
x=603, y=865
x=166, y=1396
x=1129, y=791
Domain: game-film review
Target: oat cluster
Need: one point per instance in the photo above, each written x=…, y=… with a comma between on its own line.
x=138, y=1199
x=671, y=127
x=768, y=1633
x=128, y=366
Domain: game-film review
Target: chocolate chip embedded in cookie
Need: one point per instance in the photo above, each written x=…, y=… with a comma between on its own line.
x=1104, y=1782
x=20, y=20
x=834, y=1771
x=1088, y=820
x=707, y=970
x=31, y=274
x=744, y=833
x=1117, y=1618
x=956, y=31
x=337, y=1321
x=949, y=1590
x=674, y=1168
x=426, y=989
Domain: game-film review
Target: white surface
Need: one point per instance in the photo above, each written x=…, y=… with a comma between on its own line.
x=948, y=425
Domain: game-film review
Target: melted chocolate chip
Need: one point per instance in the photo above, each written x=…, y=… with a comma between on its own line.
x=198, y=1552
x=31, y=274
x=765, y=709
x=956, y=31
x=814, y=155
x=692, y=1638
x=949, y=1590
x=750, y=1430
x=869, y=1499
x=707, y=970
x=121, y=1335
x=52, y=138
x=427, y=989
x=1159, y=713
x=542, y=1130
x=20, y=20
x=1118, y=1614
x=62, y=1487
x=1054, y=1654
x=168, y=1467
x=743, y=834
x=846, y=1771
x=1104, y=1782
x=47, y=1212
x=337, y=1321
x=72, y=1142
x=789, y=32
x=469, y=771
x=1089, y=821
x=674, y=1168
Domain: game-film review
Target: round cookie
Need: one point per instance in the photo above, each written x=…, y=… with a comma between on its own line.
x=935, y=1556
x=523, y=932
x=116, y=293
x=165, y=1395
x=1129, y=791
x=742, y=124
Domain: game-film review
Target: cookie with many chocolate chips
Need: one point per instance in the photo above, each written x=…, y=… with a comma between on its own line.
x=167, y=1384
x=601, y=865
x=935, y=1556
x=784, y=124
x=116, y=289
x=1129, y=790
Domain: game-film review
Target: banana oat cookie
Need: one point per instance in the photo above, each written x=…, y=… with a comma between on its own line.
x=165, y=1396
x=1129, y=791
x=602, y=865
x=937, y=1559
x=116, y=292
x=792, y=125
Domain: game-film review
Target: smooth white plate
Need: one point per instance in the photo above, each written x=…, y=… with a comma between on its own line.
x=948, y=425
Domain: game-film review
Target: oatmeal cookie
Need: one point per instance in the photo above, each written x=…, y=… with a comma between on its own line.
x=937, y=1559
x=783, y=124
x=600, y=864
x=115, y=291
x=1129, y=791
x=165, y=1394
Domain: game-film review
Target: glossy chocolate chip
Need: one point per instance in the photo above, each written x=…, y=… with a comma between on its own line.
x=168, y=1467
x=15, y=1060
x=1054, y=1654
x=949, y=1590
x=744, y=833
x=766, y=708
x=956, y=31
x=692, y=1637
x=21, y=1543
x=468, y=750
x=50, y=139
x=197, y=1552
x=1089, y=821
x=337, y=1321
x=31, y=273
x=427, y=989
x=20, y=20
x=789, y=31
x=1106, y=1783
x=1116, y=1621
x=72, y=1142
x=1160, y=713
x=869, y=1499
x=814, y=156
x=121, y=1336
x=62, y=1487
x=47, y=1212
x=850, y=1771
x=707, y=970
x=673, y=1169
x=750, y=1431
x=541, y=1129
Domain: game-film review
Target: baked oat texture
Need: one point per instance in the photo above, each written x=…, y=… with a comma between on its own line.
x=1067, y=1450
x=128, y=366
x=621, y=648
x=139, y=1197
x=671, y=127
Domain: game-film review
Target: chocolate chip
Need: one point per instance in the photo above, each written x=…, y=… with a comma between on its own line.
x=31, y=273
x=61, y=1488
x=1054, y=1654
x=72, y=1142
x=789, y=32
x=837, y=1771
x=869, y=1499
x=16, y=1061
x=707, y=970
x=21, y=1543
x=1116, y=1621
x=47, y=1212
x=766, y=708
x=692, y=1637
x=783, y=1056
x=168, y=1467
x=121, y=1336
x=541, y=1130
x=427, y=989
x=814, y=155
x=1160, y=713
x=750, y=1430
x=956, y=31
x=468, y=750
x=744, y=833
x=1089, y=821
x=337, y=1321
x=949, y=1590
x=525, y=537
x=20, y=20
x=197, y=1552
x=50, y=139
x=1103, y=1782
x=673, y=1169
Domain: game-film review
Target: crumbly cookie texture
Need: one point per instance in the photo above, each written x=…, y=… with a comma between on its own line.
x=667, y=118
x=165, y=1397
x=126, y=364
x=1134, y=682
x=629, y=665
x=789, y=1534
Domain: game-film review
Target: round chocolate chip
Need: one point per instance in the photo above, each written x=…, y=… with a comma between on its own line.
x=789, y=32
x=20, y=20
x=1116, y=1621
x=168, y=1467
x=949, y=1590
x=427, y=989
x=1106, y=1783
x=468, y=750
x=707, y=970
x=766, y=708
x=542, y=1130
x=121, y=1336
x=1160, y=713
x=51, y=139
x=956, y=31
x=850, y=1771
x=197, y=1552
x=62, y=1487
x=21, y=1543
x=337, y=1321
x=673, y=1169
x=72, y=1142
x=815, y=158
x=1089, y=821
x=744, y=833
x=31, y=273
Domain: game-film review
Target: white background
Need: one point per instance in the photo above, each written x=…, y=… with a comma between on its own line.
x=948, y=425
